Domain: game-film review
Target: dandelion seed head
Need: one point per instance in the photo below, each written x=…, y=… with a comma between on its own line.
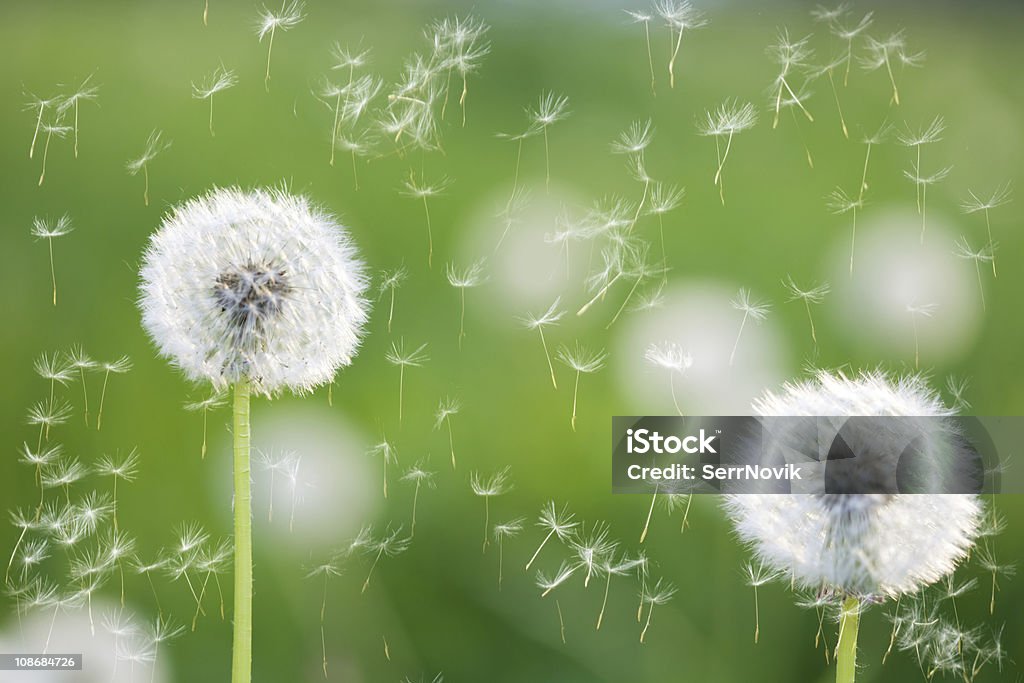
x=681, y=15
x=47, y=229
x=974, y=203
x=155, y=144
x=415, y=358
x=470, y=276
x=496, y=484
x=729, y=118
x=848, y=32
x=669, y=356
x=756, y=310
x=509, y=529
x=925, y=135
x=962, y=249
x=257, y=285
x=634, y=139
x=581, y=359
x=53, y=367
x=288, y=17
x=864, y=544
x=221, y=79
x=815, y=294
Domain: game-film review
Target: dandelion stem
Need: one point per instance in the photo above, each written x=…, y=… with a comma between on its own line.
x=501, y=561
x=853, y=238
x=35, y=135
x=732, y=355
x=624, y=302
x=241, y=661
x=202, y=452
x=604, y=601
x=366, y=584
x=839, y=107
x=391, y=309
x=757, y=616
x=212, y=134
x=561, y=621
x=487, y=520
x=46, y=153
x=85, y=394
x=672, y=390
x=650, y=511
x=895, y=629
x=451, y=439
x=547, y=162
x=462, y=316
x=415, y=500
x=650, y=58
x=145, y=188
x=334, y=130
x=924, y=210
x=647, y=625
x=599, y=295
x=540, y=547
x=547, y=355
x=206, y=11
x=53, y=272
x=988, y=226
x=981, y=287
x=846, y=648
x=575, y=393
x=895, y=91
x=810, y=318
x=270, y=50
x=849, y=59
x=103, y=396
x=430, y=237
x=401, y=390
x=672, y=61
x=917, y=355
x=864, y=175
x=76, y=127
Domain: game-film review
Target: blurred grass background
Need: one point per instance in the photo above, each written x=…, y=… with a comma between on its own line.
x=437, y=605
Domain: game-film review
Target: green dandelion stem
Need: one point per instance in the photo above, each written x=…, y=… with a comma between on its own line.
x=846, y=649
x=241, y=661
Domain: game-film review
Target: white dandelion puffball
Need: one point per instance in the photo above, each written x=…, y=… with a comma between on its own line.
x=257, y=285
x=860, y=544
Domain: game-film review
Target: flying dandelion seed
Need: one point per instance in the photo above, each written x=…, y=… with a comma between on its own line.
x=974, y=204
x=263, y=292
x=511, y=212
x=558, y=523
x=509, y=529
x=621, y=258
x=674, y=501
x=124, y=469
x=221, y=79
x=47, y=230
x=55, y=369
x=849, y=33
x=215, y=400
x=922, y=182
x=549, y=318
x=664, y=198
x=659, y=594
x=925, y=135
x=390, y=545
x=161, y=631
x=117, y=367
x=418, y=189
x=471, y=276
x=155, y=144
x=80, y=361
x=52, y=129
x=679, y=16
x=609, y=566
x=869, y=141
x=48, y=414
x=489, y=487
x=919, y=311
x=386, y=453
x=957, y=387
x=39, y=105
x=413, y=359
x=582, y=361
x=887, y=50
x=531, y=131
x=548, y=583
x=211, y=563
x=987, y=560
x=420, y=477
x=729, y=119
x=840, y=203
x=350, y=60
x=592, y=548
x=645, y=19
x=641, y=271
x=273, y=462
x=291, y=14
x=758, y=576
x=325, y=570
x=445, y=409
x=85, y=92
x=789, y=55
x=550, y=110
x=460, y=41
x=755, y=310
x=390, y=281
x=670, y=357
x=828, y=70
x=814, y=295
x=962, y=249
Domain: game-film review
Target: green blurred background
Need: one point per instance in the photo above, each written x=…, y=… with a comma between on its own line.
x=437, y=605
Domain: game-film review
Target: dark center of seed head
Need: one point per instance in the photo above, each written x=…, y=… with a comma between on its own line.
x=250, y=295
